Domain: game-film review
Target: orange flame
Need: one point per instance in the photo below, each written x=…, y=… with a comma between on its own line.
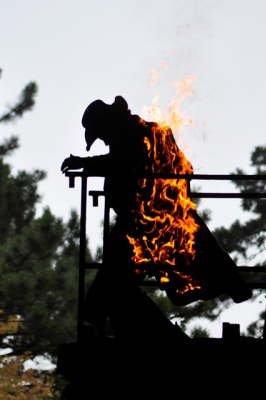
x=171, y=116
x=165, y=227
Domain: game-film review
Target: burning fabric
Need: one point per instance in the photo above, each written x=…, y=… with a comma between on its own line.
x=169, y=240
x=158, y=232
x=164, y=225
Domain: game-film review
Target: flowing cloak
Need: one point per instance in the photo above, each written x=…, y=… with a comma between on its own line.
x=131, y=156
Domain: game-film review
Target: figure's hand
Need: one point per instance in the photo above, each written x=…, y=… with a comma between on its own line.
x=72, y=162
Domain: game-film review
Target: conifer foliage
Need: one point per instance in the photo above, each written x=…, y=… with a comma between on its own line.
x=38, y=269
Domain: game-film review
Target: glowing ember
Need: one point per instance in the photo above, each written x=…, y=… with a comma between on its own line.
x=165, y=226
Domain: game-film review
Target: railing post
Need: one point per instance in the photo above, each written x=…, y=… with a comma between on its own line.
x=264, y=329
x=82, y=256
x=106, y=227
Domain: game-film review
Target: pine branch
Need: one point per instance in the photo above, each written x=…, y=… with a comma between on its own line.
x=25, y=103
x=8, y=146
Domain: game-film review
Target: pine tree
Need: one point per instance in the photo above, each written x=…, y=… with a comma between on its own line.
x=243, y=237
x=246, y=241
x=38, y=257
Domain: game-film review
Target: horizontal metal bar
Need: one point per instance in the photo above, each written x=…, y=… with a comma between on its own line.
x=215, y=177
x=96, y=192
x=255, y=277
x=241, y=268
x=230, y=177
x=251, y=285
x=239, y=195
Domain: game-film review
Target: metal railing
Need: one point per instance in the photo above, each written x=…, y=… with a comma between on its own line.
x=72, y=175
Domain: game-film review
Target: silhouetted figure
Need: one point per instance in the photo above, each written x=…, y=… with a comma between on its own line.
x=115, y=292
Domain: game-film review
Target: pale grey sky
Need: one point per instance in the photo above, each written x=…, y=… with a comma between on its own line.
x=79, y=50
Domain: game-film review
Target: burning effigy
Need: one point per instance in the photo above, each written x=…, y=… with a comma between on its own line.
x=157, y=233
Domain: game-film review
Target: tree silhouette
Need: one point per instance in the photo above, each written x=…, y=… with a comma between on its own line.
x=246, y=241
x=38, y=256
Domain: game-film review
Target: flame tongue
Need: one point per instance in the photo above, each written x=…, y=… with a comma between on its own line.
x=165, y=227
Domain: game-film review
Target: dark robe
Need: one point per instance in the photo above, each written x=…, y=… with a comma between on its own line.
x=115, y=292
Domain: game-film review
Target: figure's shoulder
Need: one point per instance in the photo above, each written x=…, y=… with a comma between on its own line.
x=140, y=128
x=144, y=127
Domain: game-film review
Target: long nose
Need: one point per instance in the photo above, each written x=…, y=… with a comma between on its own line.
x=90, y=138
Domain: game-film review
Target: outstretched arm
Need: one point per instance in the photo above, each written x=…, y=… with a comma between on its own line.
x=98, y=165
